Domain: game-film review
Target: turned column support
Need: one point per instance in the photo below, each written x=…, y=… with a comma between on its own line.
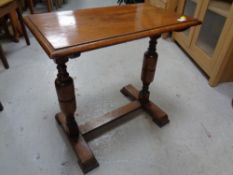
x=79, y=135
x=65, y=91
x=148, y=69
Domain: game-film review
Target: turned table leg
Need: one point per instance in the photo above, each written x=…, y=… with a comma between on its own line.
x=148, y=70
x=66, y=97
x=147, y=77
x=140, y=99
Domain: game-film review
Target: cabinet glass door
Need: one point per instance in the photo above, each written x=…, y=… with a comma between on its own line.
x=189, y=10
x=213, y=24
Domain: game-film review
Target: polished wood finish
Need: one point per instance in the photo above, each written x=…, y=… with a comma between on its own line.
x=90, y=128
x=62, y=34
x=157, y=114
x=148, y=70
x=65, y=35
x=164, y=4
x=66, y=97
x=147, y=76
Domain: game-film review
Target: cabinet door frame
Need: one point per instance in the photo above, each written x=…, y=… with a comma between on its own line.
x=183, y=39
x=207, y=62
x=200, y=56
x=223, y=56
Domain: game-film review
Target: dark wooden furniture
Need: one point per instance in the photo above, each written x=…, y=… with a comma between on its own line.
x=65, y=35
x=49, y=3
x=4, y=26
x=31, y=4
x=7, y=8
x=3, y=58
x=13, y=6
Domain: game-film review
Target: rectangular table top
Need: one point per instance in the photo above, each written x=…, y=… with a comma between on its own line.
x=63, y=34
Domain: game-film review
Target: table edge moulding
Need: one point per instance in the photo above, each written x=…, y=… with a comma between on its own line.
x=108, y=41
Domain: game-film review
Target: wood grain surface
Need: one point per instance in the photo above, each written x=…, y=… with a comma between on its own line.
x=65, y=33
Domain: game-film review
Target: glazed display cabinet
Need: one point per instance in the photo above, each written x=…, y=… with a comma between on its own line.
x=211, y=44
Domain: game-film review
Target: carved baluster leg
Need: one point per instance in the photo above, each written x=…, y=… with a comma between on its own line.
x=148, y=70
x=147, y=76
x=66, y=96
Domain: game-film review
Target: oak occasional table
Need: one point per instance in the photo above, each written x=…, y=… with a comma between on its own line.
x=65, y=35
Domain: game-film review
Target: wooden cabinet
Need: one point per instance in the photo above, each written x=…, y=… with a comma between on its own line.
x=166, y=4
x=210, y=45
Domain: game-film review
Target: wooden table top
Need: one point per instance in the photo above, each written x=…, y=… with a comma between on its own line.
x=63, y=34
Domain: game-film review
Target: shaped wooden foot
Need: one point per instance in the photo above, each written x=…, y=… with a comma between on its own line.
x=66, y=97
x=157, y=114
x=86, y=158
